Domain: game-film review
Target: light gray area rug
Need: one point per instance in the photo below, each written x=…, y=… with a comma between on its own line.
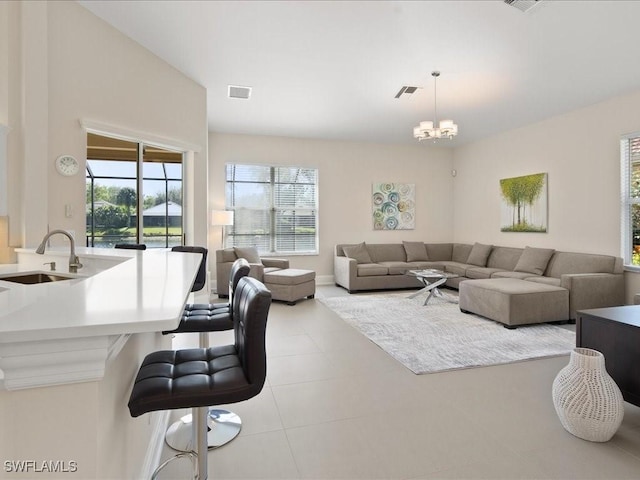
x=439, y=337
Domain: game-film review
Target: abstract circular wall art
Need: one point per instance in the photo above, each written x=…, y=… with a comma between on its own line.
x=394, y=206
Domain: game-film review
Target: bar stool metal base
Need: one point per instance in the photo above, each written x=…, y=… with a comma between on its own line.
x=223, y=427
x=191, y=455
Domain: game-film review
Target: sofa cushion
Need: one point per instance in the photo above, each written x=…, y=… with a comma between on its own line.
x=387, y=252
x=460, y=252
x=425, y=265
x=481, y=272
x=504, y=258
x=416, y=251
x=479, y=254
x=439, y=251
x=250, y=254
x=358, y=252
x=371, y=269
x=457, y=268
x=534, y=260
x=545, y=280
x=507, y=274
x=397, y=268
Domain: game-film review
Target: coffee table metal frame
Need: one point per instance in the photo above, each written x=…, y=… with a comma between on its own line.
x=431, y=279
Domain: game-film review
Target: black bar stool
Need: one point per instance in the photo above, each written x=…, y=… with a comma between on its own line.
x=201, y=377
x=205, y=318
x=131, y=246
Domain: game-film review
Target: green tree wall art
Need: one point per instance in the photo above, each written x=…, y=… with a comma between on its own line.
x=524, y=203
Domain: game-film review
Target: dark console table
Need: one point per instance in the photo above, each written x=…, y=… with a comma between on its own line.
x=615, y=332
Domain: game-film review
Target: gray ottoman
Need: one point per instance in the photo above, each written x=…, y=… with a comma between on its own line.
x=514, y=302
x=291, y=284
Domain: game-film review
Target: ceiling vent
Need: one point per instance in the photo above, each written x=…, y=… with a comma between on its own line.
x=236, y=91
x=406, y=91
x=522, y=5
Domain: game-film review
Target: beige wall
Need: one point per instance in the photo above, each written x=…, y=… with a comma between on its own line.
x=60, y=64
x=580, y=151
x=64, y=65
x=346, y=171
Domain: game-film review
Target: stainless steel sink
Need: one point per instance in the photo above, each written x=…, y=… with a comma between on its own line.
x=33, y=278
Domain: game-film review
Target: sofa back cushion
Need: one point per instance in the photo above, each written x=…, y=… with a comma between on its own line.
x=479, y=254
x=387, y=252
x=569, y=262
x=415, y=251
x=226, y=255
x=504, y=258
x=359, y=252
x=461, y=252
x=534, y=260
x=439, y=251
x=250, y=254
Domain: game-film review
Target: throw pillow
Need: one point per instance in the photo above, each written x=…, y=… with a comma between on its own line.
x=479, y=254
x=358, y=252
x=534, y=260
x=416, y=251
x=250, y=254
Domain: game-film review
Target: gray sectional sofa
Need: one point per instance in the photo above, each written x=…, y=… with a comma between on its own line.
x=514, y=286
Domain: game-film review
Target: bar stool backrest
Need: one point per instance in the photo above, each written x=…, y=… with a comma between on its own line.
x=251, y=303
x=131, y=246
x=201, y=277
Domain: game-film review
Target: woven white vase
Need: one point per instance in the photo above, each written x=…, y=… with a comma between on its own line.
x=587, y=400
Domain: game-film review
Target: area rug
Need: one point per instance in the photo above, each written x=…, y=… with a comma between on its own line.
x=439, y=337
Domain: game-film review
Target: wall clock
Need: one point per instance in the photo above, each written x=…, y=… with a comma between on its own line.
x=67, y=165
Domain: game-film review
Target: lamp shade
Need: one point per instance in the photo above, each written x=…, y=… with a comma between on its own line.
x=221, y=217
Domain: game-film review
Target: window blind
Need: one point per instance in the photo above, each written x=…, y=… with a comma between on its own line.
x=275, y=208
x=630, y=201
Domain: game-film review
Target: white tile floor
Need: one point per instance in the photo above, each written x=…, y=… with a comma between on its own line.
x=336, y=406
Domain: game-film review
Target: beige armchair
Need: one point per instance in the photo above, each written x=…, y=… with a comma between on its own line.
x=225, y=259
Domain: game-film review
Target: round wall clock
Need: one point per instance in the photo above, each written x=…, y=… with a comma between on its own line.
x=67, y=165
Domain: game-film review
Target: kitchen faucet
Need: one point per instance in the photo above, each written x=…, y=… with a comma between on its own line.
x=74, y=261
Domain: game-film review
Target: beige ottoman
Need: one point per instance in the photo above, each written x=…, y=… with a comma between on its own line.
x=291, y=284
x=514, y=302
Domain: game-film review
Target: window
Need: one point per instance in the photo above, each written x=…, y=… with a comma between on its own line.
x=275, y=208
x=119, y=185
x=630, y=168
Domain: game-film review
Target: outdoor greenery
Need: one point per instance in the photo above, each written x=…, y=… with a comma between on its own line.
x=520, y=192
x=117, y=205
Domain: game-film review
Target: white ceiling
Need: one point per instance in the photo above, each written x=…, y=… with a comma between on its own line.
x=331, y=69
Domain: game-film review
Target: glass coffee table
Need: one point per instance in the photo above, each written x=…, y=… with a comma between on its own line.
x=432, y=279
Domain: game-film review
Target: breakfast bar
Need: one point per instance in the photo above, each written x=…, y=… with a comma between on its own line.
x=69, y=350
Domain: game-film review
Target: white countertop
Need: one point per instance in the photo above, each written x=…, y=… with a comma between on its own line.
x=145, y=292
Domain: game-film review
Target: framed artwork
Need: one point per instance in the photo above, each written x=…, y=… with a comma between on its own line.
x=394, y=206
x=524, y=203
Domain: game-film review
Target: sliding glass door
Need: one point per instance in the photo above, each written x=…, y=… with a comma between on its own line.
x=134, y=194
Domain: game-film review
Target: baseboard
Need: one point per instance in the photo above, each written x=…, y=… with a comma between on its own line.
x=160, y=422
x=325, y=280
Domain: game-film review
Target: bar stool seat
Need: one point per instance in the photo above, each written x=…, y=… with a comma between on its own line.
x=201, y=377
x=195, y=377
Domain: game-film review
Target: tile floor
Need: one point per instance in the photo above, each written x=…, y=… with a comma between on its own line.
x=336, y=406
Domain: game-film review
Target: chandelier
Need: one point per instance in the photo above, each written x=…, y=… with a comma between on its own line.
x=426, y=129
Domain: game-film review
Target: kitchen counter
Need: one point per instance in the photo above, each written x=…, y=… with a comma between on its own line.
x=66, y=331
